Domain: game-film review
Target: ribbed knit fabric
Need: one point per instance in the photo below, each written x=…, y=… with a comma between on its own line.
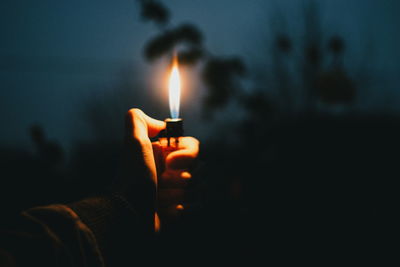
x=47, y=236
x=117, y=227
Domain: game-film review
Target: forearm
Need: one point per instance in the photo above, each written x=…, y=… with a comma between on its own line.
x=49, y=236
x=91, y=232
x=118, y=228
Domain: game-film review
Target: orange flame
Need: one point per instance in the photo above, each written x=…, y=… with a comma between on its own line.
x=174, y=89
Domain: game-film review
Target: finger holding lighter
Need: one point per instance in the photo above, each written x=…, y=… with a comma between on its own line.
x=175, y=154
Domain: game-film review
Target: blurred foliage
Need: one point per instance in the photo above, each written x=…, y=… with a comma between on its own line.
x=169, y=39
x=220, y=74
x=154, y=11
x=317, y=62
x=336, y=45
x=335, y=87
x=284, y=43
x=223, y=76
x=191, y=56
x=220, y=77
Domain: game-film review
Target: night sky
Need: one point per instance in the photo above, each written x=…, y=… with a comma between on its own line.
x=55, y=55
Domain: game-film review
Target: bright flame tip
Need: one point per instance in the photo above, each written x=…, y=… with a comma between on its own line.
x=174, y=88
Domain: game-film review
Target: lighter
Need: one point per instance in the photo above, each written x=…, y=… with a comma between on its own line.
x=172, y=132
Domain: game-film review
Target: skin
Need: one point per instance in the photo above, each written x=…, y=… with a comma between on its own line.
x=160, y=175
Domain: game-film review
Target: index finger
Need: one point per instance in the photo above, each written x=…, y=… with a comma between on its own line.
x=183, y=157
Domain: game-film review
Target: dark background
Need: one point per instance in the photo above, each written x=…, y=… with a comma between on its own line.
x=295, y=103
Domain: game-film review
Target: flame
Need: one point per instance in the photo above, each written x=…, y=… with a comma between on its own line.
x=174, y=89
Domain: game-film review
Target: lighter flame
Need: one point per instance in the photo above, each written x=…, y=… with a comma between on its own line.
x=174, y=88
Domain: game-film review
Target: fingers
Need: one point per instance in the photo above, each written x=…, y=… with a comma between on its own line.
x=141, y=126
x=175, y=170
x=171, y=204
x=173, y=167
x=171, y=197
x=173, y=182
x=153, y=126
x=186, y=175
x=174, y=179
x=184, y=157
x=170, y=214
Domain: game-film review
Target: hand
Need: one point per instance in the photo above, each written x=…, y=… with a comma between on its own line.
x=149, y=164
x=173, y=171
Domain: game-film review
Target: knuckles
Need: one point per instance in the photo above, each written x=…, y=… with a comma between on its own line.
x=132, y=114
x=193, y=145
x=134, y=119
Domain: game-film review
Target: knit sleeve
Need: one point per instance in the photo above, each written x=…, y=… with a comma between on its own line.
x=49, y=236
x=97, y=231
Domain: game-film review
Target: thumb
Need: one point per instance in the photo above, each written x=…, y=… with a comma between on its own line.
x=140, y=126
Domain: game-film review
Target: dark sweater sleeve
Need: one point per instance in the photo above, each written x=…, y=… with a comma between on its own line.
x=98, y=231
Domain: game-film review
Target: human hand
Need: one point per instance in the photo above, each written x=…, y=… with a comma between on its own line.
x=149, y=165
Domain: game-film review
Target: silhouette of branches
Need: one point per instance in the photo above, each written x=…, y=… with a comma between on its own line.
x=220, y=74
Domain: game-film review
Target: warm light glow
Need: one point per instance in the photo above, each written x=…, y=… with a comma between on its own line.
x=174, y=89
x=157, y=224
